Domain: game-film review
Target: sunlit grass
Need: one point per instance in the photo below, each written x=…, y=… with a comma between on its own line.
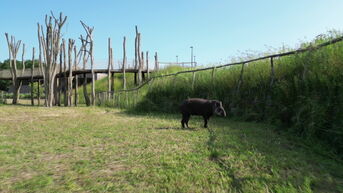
x=101, y=149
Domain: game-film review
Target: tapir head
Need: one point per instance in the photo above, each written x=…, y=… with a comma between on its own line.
x=218, y=108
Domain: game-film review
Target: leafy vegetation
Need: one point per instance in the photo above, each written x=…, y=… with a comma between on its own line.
x=4, y=84
x=107, y=150
x=305, y=97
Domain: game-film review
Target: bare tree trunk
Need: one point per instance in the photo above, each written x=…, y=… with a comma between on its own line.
x=16, y=92
x=124, y=63
x=70, y=77
x=156, y=62
x=142, y=66
x=55, y=100
x=76, y=95
x=60, y=79
x=112, y=75
x=32, y=69
x=13, y=48
x=93, y=77
x=109, y=69
x=38, y=92
x=139, y=58
x=50, y=44
x=136, y=56
x=84, y=62
x=89, y=32
x=40, y=67
x=65, y=81
x=147, y=64
x=240, y=81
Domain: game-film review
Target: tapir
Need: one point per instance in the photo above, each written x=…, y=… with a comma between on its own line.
x=203, y=107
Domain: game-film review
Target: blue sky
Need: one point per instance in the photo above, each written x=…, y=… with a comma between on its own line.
x=218, y=29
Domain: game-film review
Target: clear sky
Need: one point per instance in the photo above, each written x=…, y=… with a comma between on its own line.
x=218, y=29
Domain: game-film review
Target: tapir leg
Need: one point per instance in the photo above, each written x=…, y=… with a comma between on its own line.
x=185, y=118
x=206, y=118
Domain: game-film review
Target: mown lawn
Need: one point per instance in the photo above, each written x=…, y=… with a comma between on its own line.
x=107, y=150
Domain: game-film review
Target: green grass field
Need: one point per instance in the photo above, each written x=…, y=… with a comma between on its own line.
x=81, y=149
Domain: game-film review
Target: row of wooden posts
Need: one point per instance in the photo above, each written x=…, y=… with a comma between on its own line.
x=271, y=59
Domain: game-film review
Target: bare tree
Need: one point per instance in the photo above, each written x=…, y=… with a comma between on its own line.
x=85, y=57
x=70, y=69
x=32, y=70
x=65, y=80
x=142, y=66
x=13, y=48
x=140, y=61
x=60, y=80
x=77, y=59
x=136, y=55
x=50, y=44
x=23, y=60
x=112, y=77
x=124, y=63
x=109, y=68
x=89, y=31
x=156, y=62
x=147, y=64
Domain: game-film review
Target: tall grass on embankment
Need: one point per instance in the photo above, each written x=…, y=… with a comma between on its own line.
x=306, y=96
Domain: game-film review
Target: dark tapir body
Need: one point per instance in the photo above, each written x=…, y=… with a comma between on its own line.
x=203, y=107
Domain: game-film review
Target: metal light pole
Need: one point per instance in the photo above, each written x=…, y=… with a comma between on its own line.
x=191, y=56
x=177, y=60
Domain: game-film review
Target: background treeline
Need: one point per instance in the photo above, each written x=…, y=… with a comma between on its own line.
x=4, y=84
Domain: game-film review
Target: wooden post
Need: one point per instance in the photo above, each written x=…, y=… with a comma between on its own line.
x=213, y=78
x=193, y=80
x=2, y=100
x=65, y=81
x=38, y=92
x=147, y=64
x=124, y=63
x=272, y=76
x=142, y=66
x=76, y=95
x=32, y=69
x=70, y=75
x=136, y=56
x=213, y=73
x=112, y=75
x=60, y=79
x=240, y=81
x=136, y=49
x=272, y=72
x=109, y=69
x=112, y=84
x=139, y=59
x=156, y=62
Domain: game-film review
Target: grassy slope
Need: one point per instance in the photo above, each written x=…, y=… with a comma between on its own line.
x=98, y=149
x=305, y=97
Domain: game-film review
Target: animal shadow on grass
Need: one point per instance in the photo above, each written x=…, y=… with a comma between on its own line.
x=176, y=128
